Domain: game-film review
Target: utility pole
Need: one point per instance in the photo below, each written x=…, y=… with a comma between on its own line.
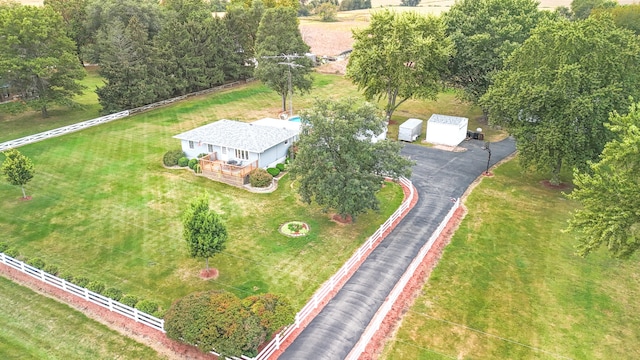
x=290, y=64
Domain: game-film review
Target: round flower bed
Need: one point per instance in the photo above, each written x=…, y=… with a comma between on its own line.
x=294, y=228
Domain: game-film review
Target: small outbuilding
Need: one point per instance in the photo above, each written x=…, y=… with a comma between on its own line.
x=446, y=130
x=410, y=130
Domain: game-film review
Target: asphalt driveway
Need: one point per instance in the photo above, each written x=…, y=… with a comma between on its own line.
x=439, y=177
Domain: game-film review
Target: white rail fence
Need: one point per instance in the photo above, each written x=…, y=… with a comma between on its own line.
x=103, y=301
x=382, y=312
x=61, y=131
x=104, y=119
x=337, y=278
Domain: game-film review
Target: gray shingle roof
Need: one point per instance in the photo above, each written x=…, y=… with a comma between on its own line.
x=238, y=135
x=446, y=119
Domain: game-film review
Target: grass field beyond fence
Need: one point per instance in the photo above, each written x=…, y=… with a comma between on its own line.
x=36, y=327
x=510, y=287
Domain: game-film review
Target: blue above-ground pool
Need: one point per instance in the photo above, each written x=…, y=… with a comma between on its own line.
x=295, y=118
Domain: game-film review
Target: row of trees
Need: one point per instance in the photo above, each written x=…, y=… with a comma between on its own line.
x=147, y=51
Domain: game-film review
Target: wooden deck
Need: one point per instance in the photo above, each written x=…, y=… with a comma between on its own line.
x=219, y=170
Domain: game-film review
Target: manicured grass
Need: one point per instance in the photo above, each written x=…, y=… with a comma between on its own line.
x=510, y=287
x=37, y=327
x=32, y=122
x=104, y=207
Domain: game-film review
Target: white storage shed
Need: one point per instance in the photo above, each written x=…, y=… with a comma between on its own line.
x=446, y=130
x=410, y=130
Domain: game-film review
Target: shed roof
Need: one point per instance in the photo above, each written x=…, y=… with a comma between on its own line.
x=449, y=120
x=411, y=123
x=238, y=135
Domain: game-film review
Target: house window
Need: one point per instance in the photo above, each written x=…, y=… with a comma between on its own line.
x=190, y=144
x=242, y=154
x=210, y=148
x=224, y=150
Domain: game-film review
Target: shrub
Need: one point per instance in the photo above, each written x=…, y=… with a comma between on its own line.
x=171, y=157
x=96, y=286
x=190, y=319
x=201, y=155
x=280, y=167
x=12, y=252
x=67, y=276
x=183, y=161
x=273, y=171
x=260, y=178
x=197, y=169
x=274, y=311
x=327, y=12
x=147, y=306
x=51, y=269
x=81, y=281
x=192, y=163
x=129, y=300
x=3, y=246
x=113, y=293
x=36, y=263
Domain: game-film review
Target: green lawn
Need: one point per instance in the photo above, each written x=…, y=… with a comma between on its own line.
x=104, y=207
x=510, y=287
x=31, y=122
x=37, y=327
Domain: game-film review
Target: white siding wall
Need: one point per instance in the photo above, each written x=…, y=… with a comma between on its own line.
x=445, y=134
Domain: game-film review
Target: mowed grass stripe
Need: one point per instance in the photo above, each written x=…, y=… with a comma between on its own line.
x=104, y=207
x=509, y=286
x=37, y=327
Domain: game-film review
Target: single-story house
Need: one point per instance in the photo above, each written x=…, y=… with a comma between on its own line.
x=446, y=130
x=239, y=143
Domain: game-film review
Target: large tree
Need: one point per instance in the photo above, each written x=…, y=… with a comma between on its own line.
x=243, y=23
x=17, y=169
x=196, y=49
x=127, y=65
x=627, y=16
x=203, y=230
x=399, y=56
x=37, y=58
x=485, y=33
x=559, y=87
x=337, y=164
x=278, y=35
x=581, y=9
x=102, y=15
x=74, y=15
x=610, y=192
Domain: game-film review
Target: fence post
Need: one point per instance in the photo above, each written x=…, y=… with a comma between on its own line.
x=277, y=341
x=86, y=293
x=297, y=320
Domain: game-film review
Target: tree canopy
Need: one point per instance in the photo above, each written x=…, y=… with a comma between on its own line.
x=609, y=192
x=399, y=56
x=17, y=169
x=37, y=59
x=581, y=9
x=203, y=230
x=485, y=33
x=279, y=34
x=337, y=164
x=557, y=90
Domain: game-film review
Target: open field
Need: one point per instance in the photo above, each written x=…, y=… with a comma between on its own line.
x=510, y=287
x=37, y=327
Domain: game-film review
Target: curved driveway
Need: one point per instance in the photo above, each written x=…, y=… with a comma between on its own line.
x=439, y=177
